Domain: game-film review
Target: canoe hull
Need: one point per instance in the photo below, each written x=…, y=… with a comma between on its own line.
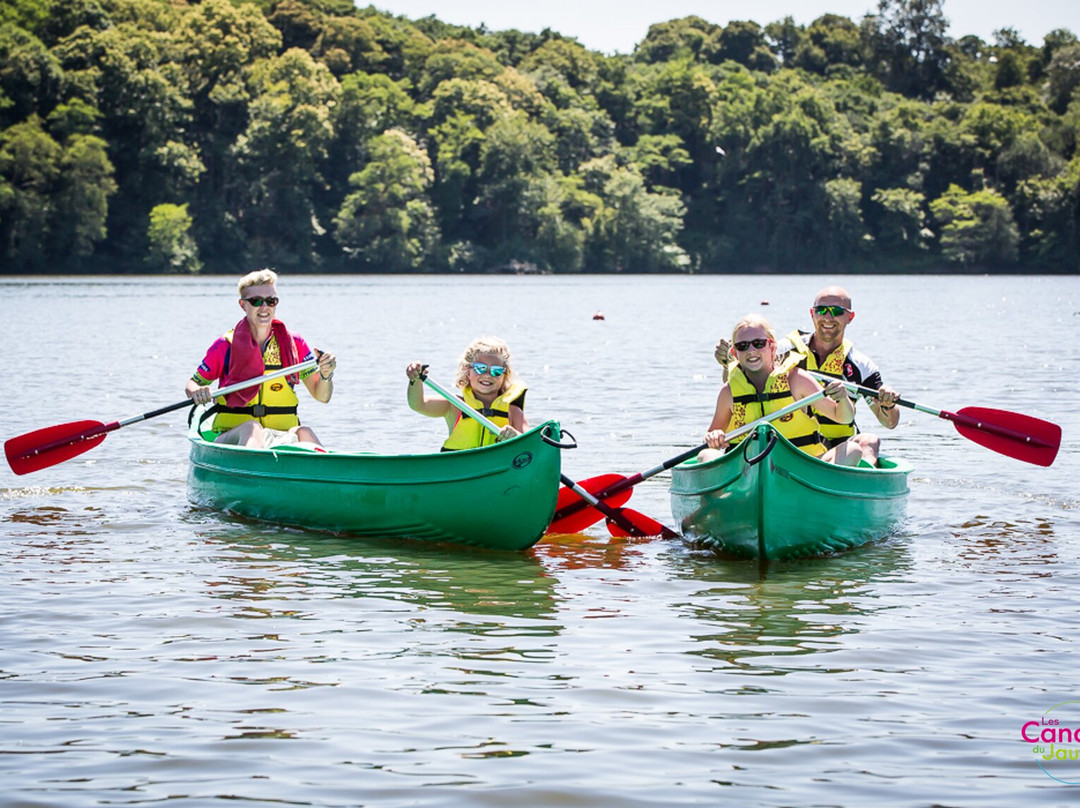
x=500, y=497
x=769, y=500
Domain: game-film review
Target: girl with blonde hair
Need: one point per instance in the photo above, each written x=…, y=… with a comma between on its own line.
x=486, y=378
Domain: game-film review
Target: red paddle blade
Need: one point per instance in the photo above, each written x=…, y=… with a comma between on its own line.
x=643, y=525
x=53, y=444
x=581, y=514
x=1010, y=433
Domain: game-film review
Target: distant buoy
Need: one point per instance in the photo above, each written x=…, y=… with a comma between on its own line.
x=764, y=302
x=598, y=316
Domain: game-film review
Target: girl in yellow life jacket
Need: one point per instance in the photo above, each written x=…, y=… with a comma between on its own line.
x=486, y=379
x=757, y=386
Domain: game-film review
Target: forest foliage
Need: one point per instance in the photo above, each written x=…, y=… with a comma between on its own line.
x=313, y=135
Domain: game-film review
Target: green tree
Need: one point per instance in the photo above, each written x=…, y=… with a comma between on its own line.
x=976, y=228
x=685, y=38
x=172, y=248
x=742, y=42
x=831, y=42
x=577, y=66
x=215, y=42
x=902, y=222
x=82, y=196
x=125, y=72
x=387, y=223
x=454, y=59
x=1063, y=76
x=29, y=168
x=557, y=241
x=911, y=46
x=460, y=113
x=280, y=156
x=783, y=143
x=635, y=230
x=369, y=104
x=1048, y=209
x=846, y=234
x=785, y=38
x=30, y=76
x=515, y=152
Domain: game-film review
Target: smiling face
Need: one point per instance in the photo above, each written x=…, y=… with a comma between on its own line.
x=259, y=317
x=754, y=349
x=487, y=387
x=829, y=326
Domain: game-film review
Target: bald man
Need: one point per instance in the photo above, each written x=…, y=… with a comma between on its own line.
x=827, y=350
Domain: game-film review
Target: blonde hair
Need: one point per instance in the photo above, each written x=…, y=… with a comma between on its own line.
x=485, y=345
x=753, y=320
x=259, y=277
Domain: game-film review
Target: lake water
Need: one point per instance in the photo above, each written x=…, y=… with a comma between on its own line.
x=152, y=653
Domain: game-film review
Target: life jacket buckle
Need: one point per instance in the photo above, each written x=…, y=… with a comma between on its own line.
x=259, y=410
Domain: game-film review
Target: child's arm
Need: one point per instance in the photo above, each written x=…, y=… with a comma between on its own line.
x=714, y=437
x=837, y=405
x=517, y=418
x=417, y=397
x=516, y=423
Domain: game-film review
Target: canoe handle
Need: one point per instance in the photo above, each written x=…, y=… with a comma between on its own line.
x=546, y=437
x=769, y=444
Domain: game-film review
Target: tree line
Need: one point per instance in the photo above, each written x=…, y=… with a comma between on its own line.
x=312, y=135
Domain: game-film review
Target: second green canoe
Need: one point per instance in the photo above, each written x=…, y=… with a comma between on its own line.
x=768, y=500
x=501, y=496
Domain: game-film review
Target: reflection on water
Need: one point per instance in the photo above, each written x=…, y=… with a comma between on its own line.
x=297, y=566
x=763, y=615
x=570, y=551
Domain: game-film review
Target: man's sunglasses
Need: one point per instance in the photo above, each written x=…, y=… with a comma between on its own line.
x=835, y=311
x=757, y=343
x=496, y=370
x=260, y=301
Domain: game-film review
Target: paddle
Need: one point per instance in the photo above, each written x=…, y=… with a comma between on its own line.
x=1009, y=433
x=55, y=444
x=574, y=514
x=634, y=523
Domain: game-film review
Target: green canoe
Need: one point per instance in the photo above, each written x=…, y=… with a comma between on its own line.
x=501, y=496
x=768, y=500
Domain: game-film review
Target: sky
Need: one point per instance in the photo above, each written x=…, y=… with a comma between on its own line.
x=616, y=26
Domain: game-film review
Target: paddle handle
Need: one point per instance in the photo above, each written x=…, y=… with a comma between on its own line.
x=461, y=405
x=870, y=392
x=300, y=367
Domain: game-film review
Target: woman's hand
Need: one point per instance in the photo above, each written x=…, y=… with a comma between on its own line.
x=198, y=393
x=327, y=365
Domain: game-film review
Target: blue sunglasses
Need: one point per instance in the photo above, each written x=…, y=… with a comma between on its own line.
x=496, y=370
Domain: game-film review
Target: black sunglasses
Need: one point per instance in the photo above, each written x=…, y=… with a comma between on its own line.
x=261, y=301
x=757, y=343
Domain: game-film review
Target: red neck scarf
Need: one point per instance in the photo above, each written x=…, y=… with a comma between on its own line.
x=246, y=360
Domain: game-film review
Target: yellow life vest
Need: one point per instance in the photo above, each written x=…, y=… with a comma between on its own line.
x=833, y=365
x=274, y=406
x=468, y=433
x=799, y=427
